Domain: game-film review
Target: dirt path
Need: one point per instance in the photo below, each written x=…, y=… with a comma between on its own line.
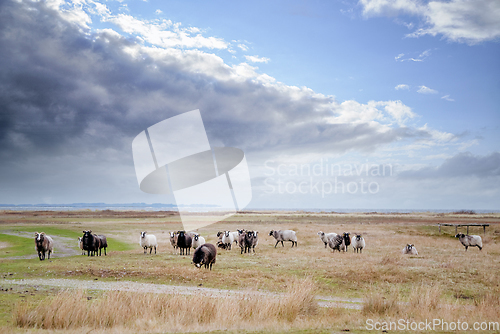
x=63, y=283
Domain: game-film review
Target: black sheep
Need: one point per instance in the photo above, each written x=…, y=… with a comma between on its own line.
x=205, y=255
x=184, y=243
x=90, y=243
x=347, y=240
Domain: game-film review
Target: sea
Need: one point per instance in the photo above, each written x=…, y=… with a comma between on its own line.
x=201, y=208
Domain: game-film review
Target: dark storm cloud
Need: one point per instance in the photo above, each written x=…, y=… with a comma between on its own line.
x=73, y=100
x=64, y=90
x=461, y=165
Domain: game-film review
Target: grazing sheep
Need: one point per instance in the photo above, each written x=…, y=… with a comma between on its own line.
x=205, y=255
x=252, y=240
x=220, y=244
x=90, y=243
x=173, y=241
x=235, y=236
x=184, y=242
x=241, y=240
x=337, y=243
x=358, y=243
x=148, y=241
x=198, y=240
x=43, y=244
x=326, y=236
x=227, y=239
x=286, y=235
x=347, y=240
x=103, y=243
x=470, y=241
x=410, y=249
x=80, y=244
x=255, y=240
x=248, y=240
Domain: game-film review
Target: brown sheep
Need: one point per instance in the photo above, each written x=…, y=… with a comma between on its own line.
x=43, y=244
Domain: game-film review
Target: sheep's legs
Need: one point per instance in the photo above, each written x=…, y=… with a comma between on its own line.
x=277, y=242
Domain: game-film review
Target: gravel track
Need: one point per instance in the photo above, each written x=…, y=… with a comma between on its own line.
x=64, y=283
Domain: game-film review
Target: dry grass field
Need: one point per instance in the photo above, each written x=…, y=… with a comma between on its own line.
x=282, y=289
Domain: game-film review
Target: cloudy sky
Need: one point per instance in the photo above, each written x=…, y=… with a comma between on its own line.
x=375, y=104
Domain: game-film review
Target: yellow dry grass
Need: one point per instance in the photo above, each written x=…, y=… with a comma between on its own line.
x=72, y=309
x=443, y=281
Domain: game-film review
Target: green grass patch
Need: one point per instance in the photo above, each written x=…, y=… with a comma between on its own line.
x=16, y=246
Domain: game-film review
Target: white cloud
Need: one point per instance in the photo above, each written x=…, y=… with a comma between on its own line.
x=398, y=111
x=457, y=20
x=421, y=57
x=447, y=98
x=402, y=86
x=379, y=114
x=257, y=59
x=161, y=33
x=165, y=33
x=426, y=90
x=158, y=11
x=438, y=136
x=243, y=47
x=390, y=7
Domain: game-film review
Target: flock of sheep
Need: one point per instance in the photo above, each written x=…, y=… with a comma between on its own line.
x=205, y=254
x=92, y=243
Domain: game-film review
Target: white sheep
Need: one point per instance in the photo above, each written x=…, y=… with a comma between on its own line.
x=470, y=240
x=236, y=236
x=80, y=244
x=326, y=236
x=198, y=240
x=286, y=235
x=410, y=249
x=358, y=243
x=227, y=239
x=148, y=241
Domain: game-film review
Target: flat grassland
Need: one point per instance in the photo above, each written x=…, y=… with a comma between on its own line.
x=281, y=289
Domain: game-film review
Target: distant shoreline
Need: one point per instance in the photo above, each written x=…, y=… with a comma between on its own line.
x=200, y=208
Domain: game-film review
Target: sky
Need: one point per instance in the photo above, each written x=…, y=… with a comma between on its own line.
x=369, y=104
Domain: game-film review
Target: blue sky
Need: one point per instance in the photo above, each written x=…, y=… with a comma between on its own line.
x=410, y=84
